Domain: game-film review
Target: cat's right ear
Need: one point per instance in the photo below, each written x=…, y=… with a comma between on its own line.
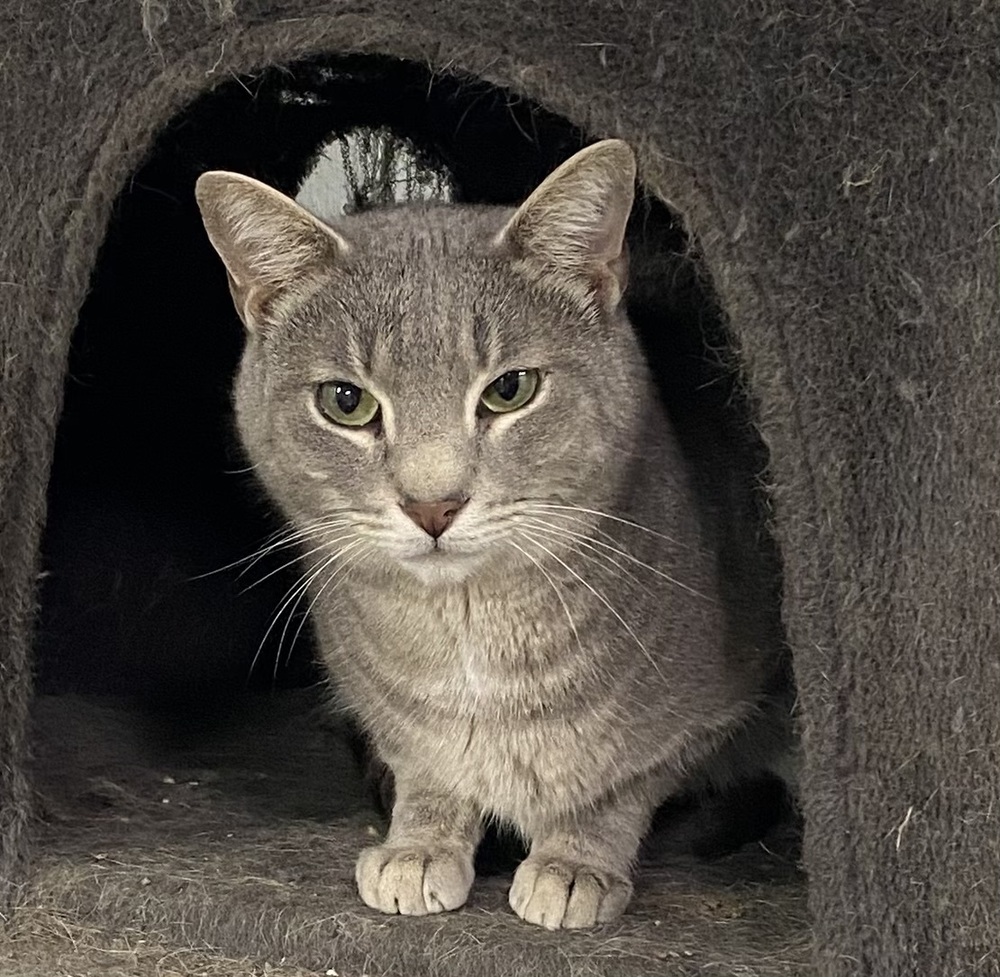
x=268, y=243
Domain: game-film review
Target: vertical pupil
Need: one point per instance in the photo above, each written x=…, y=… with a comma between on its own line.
x=507, y=385
x=348, y=397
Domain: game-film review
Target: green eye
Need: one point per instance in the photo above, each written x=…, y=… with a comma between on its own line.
x=510, y=392
x=344, y=403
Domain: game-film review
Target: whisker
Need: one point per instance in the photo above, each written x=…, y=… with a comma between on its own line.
x=577, y=540
x=282, y=539
x=298, y=557
x=595, y=543
x=586, y=523
x=341, y=569
x=294, y=541
x=278, y=540
x=608, y=515
x=302, y=593
x=545, y=573
x=601, y=598
x=255, y=556
x=292, y=603
x=290, y=598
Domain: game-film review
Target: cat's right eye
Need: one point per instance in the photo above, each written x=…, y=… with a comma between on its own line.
x=347, y=404
x=510, y=392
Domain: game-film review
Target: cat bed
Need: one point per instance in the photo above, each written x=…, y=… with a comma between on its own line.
x=836, y=172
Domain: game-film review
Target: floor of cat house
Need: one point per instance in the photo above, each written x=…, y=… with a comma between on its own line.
x=230, y=851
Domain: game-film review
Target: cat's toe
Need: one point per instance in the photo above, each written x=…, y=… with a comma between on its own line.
x=413, y=881
x=558, y=894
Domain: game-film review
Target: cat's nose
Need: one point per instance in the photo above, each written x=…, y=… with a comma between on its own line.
x=434, y=517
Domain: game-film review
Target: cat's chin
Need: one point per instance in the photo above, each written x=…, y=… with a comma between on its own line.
x=437, y=568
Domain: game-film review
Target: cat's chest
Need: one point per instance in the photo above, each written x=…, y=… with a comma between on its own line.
x=463, y=653
x=527, y=769
x=475, y=674
x=500, y=700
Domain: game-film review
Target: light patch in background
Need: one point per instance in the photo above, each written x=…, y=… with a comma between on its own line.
x=366, y=168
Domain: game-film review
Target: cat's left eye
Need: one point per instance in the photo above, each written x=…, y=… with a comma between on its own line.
x=510, y=391
x=347, y=404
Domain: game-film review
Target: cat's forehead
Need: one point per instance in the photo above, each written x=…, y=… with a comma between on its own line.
x=423, y=289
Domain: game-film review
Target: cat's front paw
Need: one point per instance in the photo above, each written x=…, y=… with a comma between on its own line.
x=413, y=880
x=556, y=893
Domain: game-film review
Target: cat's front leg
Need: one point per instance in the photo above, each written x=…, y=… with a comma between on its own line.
x=425, y=864
x=579, y=871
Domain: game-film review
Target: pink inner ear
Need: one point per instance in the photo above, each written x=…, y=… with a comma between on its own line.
x=609, y=236
x=618, y=269
x=601, y=253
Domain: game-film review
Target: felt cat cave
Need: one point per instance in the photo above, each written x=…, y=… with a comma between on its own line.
x=836, y=170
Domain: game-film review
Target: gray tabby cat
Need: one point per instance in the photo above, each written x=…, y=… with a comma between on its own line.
x=512, y=586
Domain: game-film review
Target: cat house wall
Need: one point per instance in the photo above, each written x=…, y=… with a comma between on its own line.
x=837, y=168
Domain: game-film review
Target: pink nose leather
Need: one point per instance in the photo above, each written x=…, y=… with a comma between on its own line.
x=434, y=517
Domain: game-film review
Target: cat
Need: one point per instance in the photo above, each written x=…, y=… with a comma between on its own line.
x=514, y=589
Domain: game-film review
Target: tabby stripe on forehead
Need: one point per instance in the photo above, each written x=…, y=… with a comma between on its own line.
x=484, y=338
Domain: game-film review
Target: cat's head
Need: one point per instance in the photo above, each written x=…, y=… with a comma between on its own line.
x=420, y=383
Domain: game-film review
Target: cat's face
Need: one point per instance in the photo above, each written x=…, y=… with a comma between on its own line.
x=424, y=385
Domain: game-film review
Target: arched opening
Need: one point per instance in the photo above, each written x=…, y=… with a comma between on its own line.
x=147, y=498
x=152, y=508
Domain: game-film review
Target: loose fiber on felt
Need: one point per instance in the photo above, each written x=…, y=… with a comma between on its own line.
x=837, y=166
x=245, y=841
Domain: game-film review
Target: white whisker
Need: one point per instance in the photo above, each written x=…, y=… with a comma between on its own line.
x=588, y=524
x=301, y=535
x=255, y=556
x=599, y=545
x=577, y=540
x=298, y=558
x=600, y=597
x=278, y=540
x=291, y=598
x=552, y=583
x=607, y=515
x=341, y=569
x=323, y=566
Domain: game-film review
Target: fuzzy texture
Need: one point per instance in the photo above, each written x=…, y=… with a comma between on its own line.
x=247, y=870
x=838, y=166
x=555, y=652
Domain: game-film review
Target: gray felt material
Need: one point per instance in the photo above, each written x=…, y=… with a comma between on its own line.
x=838, y=166
x=244, y=843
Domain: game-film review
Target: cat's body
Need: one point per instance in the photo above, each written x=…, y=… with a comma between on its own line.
x=522, y=605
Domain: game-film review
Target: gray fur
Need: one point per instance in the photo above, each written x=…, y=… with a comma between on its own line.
x=546, y=662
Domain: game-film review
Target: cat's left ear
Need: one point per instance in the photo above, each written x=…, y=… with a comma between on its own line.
x=268, y=243
x=573, y=226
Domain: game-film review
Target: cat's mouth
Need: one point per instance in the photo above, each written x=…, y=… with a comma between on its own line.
x=442, y=562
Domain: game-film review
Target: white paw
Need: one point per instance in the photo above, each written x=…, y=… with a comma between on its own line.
x=413, y=881
x=558, y=894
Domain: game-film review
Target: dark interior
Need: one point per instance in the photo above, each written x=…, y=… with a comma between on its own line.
x=150, y=497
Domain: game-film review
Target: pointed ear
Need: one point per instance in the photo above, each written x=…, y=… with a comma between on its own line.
x=573, y=225
x=268, y=243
